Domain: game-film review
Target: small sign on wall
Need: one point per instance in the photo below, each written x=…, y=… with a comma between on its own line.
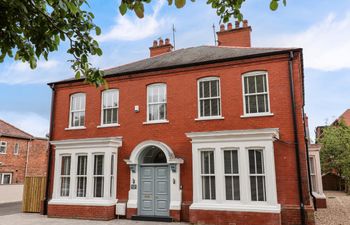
x=133, y=186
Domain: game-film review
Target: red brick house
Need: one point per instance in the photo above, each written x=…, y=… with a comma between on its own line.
x=21, y=155
x=203, y=134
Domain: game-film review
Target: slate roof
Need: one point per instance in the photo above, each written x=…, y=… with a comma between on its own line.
x=8, y=130
x=189, y=57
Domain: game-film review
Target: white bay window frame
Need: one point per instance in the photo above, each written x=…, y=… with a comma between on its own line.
x=242, y=141
x=90, y=148
x=266, y=92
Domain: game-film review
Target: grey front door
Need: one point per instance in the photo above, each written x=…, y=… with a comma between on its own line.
x=154, y=191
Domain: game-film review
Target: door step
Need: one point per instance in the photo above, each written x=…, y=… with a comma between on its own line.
x=153, y=218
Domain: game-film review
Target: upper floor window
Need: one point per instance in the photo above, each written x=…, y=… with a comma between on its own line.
x=77, y=110
x=110, y=104
x=156, y=102
x=3, y=147
x=209, y=100
x=16, y=149
x=255, y=93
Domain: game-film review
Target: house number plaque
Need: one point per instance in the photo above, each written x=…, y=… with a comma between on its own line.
x=133, y=186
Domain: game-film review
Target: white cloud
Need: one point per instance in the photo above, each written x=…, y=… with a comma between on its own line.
x=29, y=122
x=46, y=71
x=326, y=44
x=132, y=29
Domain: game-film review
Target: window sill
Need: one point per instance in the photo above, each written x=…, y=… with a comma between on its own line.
x=108, y=125
x=83, y=201
x=210, y=118
x=75, y=128
x=2, y=153
x=237, y=207
x=156, y=122
x=256, y=115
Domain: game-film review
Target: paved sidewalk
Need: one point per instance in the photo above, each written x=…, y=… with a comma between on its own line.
x=10, y=208
x=337, y=211
x=36, y=219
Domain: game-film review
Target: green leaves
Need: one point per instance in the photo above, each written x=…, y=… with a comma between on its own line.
x=180, y=3
x=123, y=8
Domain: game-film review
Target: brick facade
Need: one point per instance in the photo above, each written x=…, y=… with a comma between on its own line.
x=31, y=159
x=181, y=113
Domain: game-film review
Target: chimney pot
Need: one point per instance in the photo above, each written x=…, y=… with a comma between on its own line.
x=237, y=24
x=245, y=23
x=167, y=41
x=161, y=42
x=155, y=43
x=229, y=26
x=222, y=27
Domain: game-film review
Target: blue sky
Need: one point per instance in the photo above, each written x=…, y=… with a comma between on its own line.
x=320, y=27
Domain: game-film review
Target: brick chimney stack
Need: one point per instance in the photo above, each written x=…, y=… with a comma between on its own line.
x=235, y=37
x=160, y=47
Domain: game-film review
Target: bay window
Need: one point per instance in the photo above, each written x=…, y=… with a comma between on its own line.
x=85, y=171
x=209, y=100
x=313, y=173
x=230, y=172
x=255, y=93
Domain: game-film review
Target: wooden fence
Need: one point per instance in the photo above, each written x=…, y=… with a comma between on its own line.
x=33, y=193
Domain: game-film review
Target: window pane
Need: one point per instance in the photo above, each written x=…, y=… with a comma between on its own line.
x=215, y=107
x=251, y=162
x=252, y=104
x=260, y=83
x=259, y=162
x=212, y=187
x=162, y=111
x=229, y=188
x=227, y=162
x=234, y=161
x=236, y=188
x=214, y=85
x=253, y=188
x=266, y=103
x=98, y=187
x=206, y=88
x=251, y=84
x=246, y=85
x=65, y=183
x=261, y=188
x=261, y=103
x=82, y=165
x=98, y=165
x=206, y=107
x=205, y=188
x=81, y=187
x=65, y=165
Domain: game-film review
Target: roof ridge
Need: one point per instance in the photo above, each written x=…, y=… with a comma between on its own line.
x=16, y=128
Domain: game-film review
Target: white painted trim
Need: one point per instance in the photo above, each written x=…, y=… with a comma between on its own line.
x=155, y=122
x=249, y=115
x=75, y=128
x=2, y=178
x=255, y=73
x=237, y=207
x=109, y=125
x=210, y=78
x=210, y=118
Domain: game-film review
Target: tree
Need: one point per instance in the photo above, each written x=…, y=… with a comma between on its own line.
x=335, y=150
x=31, y=29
